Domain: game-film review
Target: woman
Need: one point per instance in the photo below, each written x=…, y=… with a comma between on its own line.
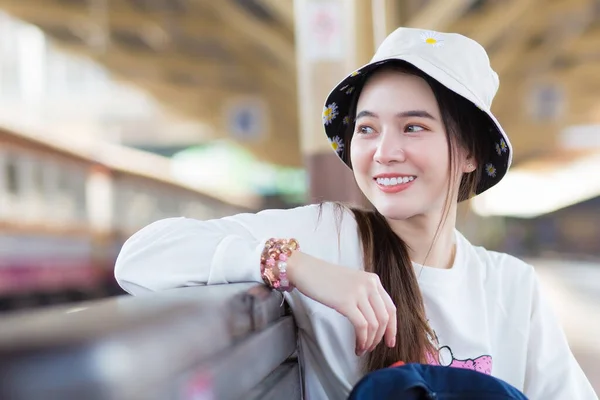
x=396, y=283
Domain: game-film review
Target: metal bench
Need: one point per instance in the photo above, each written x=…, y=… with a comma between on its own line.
x=210, y=342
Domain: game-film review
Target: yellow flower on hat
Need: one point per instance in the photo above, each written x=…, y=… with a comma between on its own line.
x=432, y=38
x=337, y=144
x=354, y=73
x=503, y=146
x=329, y=113
x=346, y=120
x=491, y=170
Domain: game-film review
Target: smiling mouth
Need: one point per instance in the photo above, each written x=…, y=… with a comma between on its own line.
x=395, y=181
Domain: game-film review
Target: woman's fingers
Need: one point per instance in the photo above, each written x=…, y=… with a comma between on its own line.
x=358, y=320
x=392, y=325
x=382, y=315
x=370, y=316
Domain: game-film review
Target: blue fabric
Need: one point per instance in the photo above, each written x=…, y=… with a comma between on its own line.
x=428, y=382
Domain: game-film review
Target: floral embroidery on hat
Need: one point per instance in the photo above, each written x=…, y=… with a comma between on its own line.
x=337, y=144
x=350, y=90
x=498, y=149
x=503, y=146
x=491, y=170
x=329, y=113
x=344, y=88
x=346, y=120
x=354, y=74
x=432, y=38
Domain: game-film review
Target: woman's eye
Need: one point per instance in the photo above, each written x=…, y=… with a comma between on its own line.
x=414, y=128
x=365, y=129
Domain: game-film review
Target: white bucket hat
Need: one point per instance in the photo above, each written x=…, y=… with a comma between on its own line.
x=457, y=62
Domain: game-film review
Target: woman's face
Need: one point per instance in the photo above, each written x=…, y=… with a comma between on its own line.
x=399, y=149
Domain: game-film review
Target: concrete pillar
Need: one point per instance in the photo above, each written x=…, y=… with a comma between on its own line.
x=333, y=37
x=386, y=17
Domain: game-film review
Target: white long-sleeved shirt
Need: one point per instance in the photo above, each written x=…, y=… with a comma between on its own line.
x=487, y=310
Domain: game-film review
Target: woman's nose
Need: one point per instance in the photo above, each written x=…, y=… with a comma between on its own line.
x=389, y=149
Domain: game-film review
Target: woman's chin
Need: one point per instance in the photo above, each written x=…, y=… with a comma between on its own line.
x=395, y=211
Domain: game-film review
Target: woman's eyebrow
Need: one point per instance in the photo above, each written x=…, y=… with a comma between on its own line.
x=415, y=113
x=403, y=114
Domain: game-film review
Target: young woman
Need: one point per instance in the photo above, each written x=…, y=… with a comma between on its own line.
x=397, y=282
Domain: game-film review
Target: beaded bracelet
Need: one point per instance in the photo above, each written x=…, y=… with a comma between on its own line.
x=275, y=254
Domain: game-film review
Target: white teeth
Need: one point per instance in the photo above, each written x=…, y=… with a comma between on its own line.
x=395, y=181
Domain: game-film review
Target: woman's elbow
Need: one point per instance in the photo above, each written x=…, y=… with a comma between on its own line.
x=134, y=267
x=128, y=271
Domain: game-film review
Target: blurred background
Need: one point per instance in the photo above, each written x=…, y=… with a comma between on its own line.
x=116, y=113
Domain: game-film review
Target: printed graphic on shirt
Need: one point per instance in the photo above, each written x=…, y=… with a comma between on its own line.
x=446, y=359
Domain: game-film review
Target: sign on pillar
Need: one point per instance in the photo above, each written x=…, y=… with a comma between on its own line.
x=322, y=39
x=246, y=119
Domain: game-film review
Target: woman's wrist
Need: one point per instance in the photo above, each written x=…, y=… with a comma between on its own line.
x=294, y=263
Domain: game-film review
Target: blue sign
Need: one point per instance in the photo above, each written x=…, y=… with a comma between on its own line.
x=246, y=120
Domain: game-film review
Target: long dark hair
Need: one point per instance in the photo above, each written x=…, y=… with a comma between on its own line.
x=386, y=254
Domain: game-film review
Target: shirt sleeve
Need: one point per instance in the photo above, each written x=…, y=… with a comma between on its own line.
x=552, y=371
x=179, y=252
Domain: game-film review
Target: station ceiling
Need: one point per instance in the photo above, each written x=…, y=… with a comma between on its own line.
x=197, y=56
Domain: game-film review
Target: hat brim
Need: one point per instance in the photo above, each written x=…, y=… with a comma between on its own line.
x=339, y=101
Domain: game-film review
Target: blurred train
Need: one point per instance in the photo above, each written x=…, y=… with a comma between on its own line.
x=67, y=205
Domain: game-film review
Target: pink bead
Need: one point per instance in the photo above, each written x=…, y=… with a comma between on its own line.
x=283, y=257
x=271, y=262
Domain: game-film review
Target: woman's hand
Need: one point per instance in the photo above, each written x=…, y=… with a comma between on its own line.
x=357, y=295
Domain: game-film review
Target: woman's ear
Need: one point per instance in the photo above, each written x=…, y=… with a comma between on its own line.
x=469, y=165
